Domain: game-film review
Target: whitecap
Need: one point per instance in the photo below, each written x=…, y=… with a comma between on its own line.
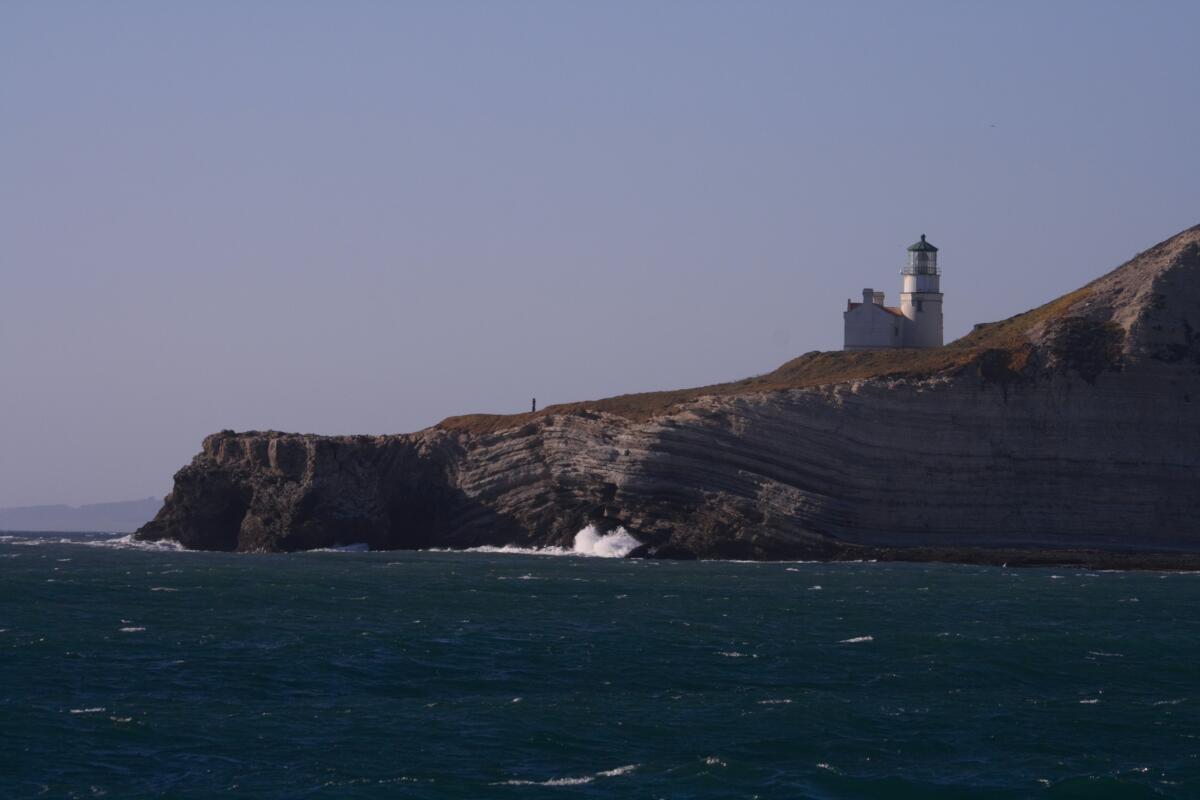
x=1090, y=701
x=358, y=547
x=127, y=542
x=774, y=702
x=162, y=589
x=508, y=549
x=551, y=782
x=713, y=761
x=96, y=710
x=131, y=629
x=857, y=639
x=590, y=541
x=617, y=771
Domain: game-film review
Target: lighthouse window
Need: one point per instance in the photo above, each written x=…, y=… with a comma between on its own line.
x=920, y=305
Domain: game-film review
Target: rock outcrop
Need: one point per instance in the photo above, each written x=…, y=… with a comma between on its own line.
x=1069, y=427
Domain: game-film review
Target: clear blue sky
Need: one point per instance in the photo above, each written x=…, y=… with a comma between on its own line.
x=361, y=217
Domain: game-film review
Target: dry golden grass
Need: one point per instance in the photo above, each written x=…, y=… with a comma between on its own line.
x=1000, y=349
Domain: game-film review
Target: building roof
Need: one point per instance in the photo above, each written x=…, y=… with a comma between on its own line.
x=850, y=306
x=922, y=246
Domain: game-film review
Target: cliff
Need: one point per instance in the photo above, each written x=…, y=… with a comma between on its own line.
x=1070, y=427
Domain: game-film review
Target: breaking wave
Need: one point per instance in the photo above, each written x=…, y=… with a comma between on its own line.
x=575, y=781
x=511, y=549
x=588, y=542
x=361, y=547
x=119, y=542
x=127, y=542
x=617, y=544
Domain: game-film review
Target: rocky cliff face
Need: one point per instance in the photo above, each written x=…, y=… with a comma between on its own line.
x=1072, y=426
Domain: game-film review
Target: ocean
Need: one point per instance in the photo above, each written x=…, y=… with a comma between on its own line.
x=148, y=672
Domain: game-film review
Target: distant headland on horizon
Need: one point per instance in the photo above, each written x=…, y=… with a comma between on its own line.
x=113, y=517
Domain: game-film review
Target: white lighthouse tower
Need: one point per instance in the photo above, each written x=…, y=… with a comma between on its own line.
x=921, y=297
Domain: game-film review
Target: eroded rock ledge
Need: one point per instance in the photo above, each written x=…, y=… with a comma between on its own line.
x=1070, y=428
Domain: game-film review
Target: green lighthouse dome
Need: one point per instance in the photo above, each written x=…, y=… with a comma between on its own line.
x=922, y=246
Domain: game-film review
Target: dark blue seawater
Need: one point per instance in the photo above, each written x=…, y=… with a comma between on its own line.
x=132, y=673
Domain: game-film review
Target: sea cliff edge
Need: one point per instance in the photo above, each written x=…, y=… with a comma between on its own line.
x=1064, y=435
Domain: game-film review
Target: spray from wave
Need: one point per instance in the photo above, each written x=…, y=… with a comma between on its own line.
x=616, y=544
x=590, y=542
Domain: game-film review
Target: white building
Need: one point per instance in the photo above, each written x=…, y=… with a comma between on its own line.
x=916, y=323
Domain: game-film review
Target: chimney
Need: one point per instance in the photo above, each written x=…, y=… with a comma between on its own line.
x=872, y=296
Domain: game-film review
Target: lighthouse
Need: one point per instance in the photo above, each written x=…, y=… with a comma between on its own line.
x=921, y=296
x=917, y=322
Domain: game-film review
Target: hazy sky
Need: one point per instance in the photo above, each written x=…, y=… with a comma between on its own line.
x=361, y=217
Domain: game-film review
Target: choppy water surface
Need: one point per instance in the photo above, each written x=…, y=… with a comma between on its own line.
x=137, y=673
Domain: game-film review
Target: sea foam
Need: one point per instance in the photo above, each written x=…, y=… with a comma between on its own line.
x=360, y=547
x=618, y=543
x=575, y=781
x=551, y=782
x=127, y=542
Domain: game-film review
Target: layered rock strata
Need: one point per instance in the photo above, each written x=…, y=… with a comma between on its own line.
x=1070, y=427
